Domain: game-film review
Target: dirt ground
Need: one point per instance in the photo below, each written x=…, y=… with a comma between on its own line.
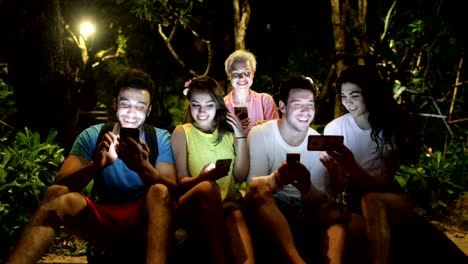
x=459, y=237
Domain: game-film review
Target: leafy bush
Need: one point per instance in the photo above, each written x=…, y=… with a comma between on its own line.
x=436, y=180
x=27, y=167
x=7, y=105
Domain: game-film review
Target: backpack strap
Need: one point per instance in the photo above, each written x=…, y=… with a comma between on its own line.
x=152, y=142
x=151, y=139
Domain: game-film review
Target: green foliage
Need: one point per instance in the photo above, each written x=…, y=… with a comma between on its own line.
x=421, y=51
x=177, y=109
x=7, y=100
x=436, y=180
x=27, y=167
x=164, y=11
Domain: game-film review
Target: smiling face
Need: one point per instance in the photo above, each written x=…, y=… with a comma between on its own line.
x=300, y=109
x=353, y=100
x=242, y=75
x=203, y=110
x=132, y=107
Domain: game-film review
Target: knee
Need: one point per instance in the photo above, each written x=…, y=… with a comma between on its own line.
x=207, y=190
x=54, y=191
x=158, y=192
x=258, y=191
x=62, y=209
x=371, y=199
x=71, y=204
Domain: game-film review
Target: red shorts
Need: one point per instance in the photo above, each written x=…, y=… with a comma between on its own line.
x=110, y=223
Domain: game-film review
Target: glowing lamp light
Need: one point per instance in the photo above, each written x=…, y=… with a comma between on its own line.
x=86, y=29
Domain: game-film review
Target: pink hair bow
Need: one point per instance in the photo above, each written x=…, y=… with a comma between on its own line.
x=186, y=85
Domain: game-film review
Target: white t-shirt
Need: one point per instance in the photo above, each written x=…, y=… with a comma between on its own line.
x=359, y=142
x=268, y=150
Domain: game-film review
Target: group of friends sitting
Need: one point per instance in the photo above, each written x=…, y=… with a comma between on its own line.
x=311, y=207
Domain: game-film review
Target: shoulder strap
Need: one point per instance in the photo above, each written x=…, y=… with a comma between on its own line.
x=152, y=142
x=151, y=138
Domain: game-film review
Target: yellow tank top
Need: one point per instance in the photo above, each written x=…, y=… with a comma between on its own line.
x=201, y=150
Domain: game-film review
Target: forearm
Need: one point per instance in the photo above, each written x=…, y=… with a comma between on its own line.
x=242, y=165
x=365, y=179
x=186, y=183
x=76, y=180
x=337, y=180
x=149, y=175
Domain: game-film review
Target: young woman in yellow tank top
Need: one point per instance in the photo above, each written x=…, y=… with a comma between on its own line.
x=211, y=134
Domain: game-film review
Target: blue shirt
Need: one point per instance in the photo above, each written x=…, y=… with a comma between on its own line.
x=117, y=184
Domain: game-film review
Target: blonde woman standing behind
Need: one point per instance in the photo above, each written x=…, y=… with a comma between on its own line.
x=240, y=69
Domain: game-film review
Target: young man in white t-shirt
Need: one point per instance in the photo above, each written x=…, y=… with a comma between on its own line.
x=281, y=196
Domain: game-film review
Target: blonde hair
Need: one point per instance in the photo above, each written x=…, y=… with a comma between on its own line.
x=237, y=56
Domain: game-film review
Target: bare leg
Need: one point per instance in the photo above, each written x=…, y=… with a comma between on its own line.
x=356, y=241
x=377, y=228
x=203, y=206
x=380, y=210
x=239, y=235
x=41, y=230
x=158, y=206
x=260, y=199
x=334, y=243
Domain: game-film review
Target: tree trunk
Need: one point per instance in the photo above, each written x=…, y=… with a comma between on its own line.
x=38, y=69
x=338, y=17
x=343, y=15
x=241, y=21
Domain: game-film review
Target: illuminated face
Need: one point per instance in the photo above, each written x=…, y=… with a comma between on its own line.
x=132, y=107
x=300, y=110
x=242, y=75
x=203, y=110
x=352, y=100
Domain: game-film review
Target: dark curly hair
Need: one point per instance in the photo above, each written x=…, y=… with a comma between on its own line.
x=390, y=124
x=134, y=78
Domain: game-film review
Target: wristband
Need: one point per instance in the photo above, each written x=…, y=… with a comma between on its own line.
x=240, y=137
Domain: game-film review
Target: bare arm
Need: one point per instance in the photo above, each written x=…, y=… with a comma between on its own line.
x=242, y=163
x=76, y=171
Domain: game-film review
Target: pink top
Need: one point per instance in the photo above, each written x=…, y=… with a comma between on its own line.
x=261, y=107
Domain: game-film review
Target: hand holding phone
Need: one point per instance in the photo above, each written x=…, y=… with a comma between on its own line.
x=223, y=164
x=321, y=143
x=241, y=112
x=213, y=172
x=126, y=132
x=292, y=158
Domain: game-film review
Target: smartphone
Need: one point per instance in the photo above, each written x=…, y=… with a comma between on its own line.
x=241, y=112
x=223, y=163
x=317, y=142
x=126, y=132
x=292, y=158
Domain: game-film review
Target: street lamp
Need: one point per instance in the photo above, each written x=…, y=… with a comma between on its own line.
x=86, y=29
